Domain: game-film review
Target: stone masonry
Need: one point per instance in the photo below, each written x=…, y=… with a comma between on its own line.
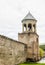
x=29, y=36
x=11, y=52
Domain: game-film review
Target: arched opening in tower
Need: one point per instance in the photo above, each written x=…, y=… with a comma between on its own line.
x=34, y=28
x=37, y=39
x=24, y=27
x=29, y=27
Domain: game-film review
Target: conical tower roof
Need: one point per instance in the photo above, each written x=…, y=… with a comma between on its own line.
x=29, y=17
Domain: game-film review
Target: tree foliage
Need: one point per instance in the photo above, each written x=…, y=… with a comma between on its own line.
x=41, y=52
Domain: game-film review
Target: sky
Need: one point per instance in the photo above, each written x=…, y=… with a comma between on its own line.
x=13, y=11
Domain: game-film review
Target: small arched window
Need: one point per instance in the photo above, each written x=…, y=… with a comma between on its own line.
x=29, y=27
x=37, y=39
x=34, y=28
x=24, y=27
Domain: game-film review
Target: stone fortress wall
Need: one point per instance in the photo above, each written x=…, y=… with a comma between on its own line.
x=11, y=52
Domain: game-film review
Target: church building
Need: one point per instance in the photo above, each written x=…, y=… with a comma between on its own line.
x=13, y=52
x=29, y=36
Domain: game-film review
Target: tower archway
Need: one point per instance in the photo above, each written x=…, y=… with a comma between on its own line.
x=24, y=27
x=29, y=27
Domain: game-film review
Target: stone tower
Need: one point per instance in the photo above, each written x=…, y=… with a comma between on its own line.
x=29, y=36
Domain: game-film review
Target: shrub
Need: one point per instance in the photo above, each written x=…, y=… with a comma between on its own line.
x=41, y=52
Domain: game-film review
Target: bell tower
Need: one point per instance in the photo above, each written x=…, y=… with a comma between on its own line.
x=29, y=23
x=29, y=36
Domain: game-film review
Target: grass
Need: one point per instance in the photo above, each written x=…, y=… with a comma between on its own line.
x=32, y=63
x=43, y=47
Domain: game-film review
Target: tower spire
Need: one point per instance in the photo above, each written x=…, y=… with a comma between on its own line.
x=29, y=16
x=29, y=23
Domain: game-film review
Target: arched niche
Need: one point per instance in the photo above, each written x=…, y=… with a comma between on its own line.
x=37, y=40
x=24, y=27
x=29, y=27
x=34, y=27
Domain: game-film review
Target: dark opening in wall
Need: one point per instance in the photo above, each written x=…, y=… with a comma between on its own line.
x=37, y=39
x=29, y=27
x=34, y=28
x=24, y=27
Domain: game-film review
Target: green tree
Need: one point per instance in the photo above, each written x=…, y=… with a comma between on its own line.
x=41, y=52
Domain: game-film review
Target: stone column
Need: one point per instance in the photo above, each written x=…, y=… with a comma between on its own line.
x=27, y=27
x=22, y=27
x=35, y=27
x=32, y=28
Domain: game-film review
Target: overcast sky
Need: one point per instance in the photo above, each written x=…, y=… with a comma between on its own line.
x=13, y=11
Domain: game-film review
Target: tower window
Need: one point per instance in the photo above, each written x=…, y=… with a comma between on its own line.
x=29, y=27
x=24, y=27
x=34, y=28
x=34, y=25
x=37, y=39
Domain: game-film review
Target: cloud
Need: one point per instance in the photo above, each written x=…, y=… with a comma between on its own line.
x=13, y=11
